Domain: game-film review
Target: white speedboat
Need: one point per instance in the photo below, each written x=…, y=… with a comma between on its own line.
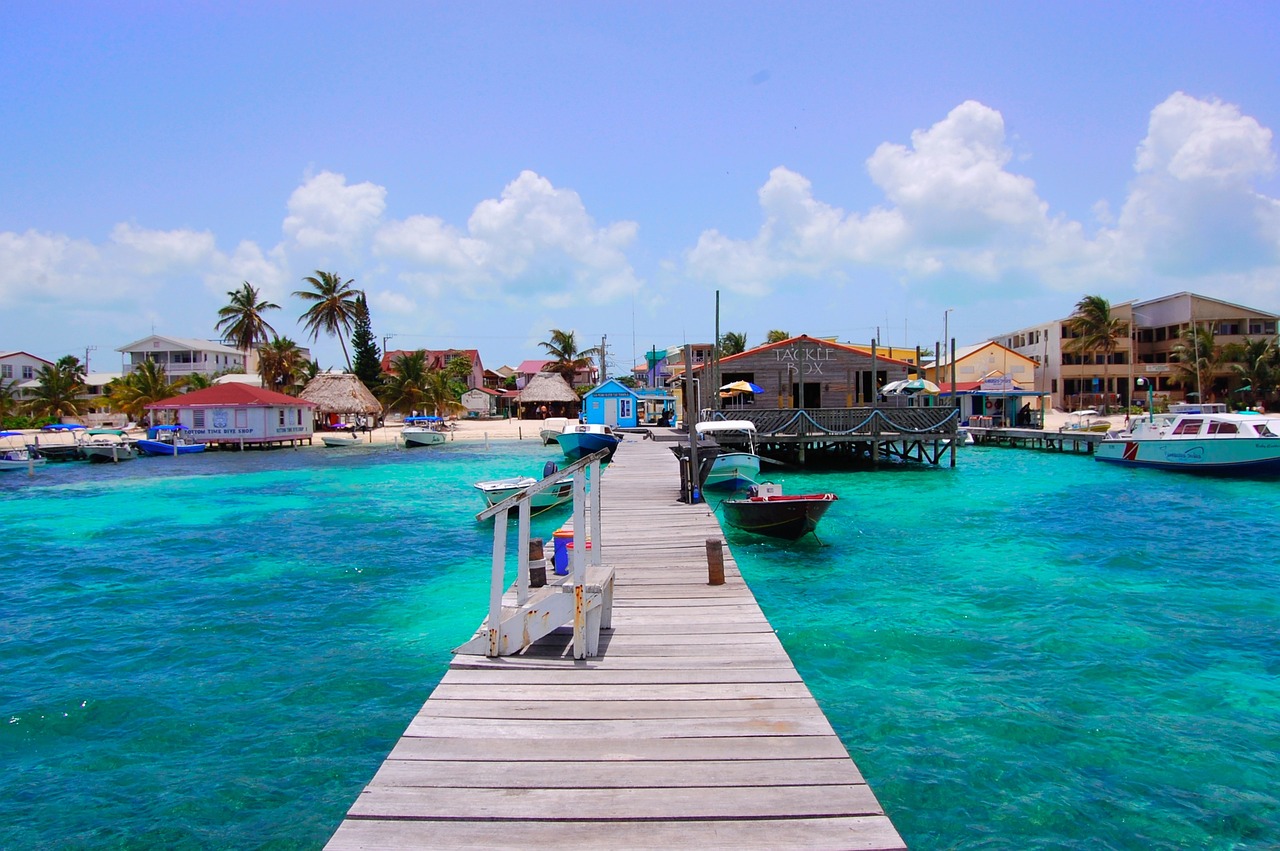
x=423, y=431
x=107, y=446
x=496, y=490
x=1201, y=439
x=551, y=428
x=16, y=457
x=578, y=440
x=737, y=465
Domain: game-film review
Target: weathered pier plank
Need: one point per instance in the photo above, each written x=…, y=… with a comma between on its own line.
x=690, y=728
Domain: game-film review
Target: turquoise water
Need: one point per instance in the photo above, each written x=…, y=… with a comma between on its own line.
x=1032, y=650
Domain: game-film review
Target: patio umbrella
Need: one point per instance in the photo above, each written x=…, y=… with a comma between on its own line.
x=895, y=387
x=922, y=385
x=742, y=387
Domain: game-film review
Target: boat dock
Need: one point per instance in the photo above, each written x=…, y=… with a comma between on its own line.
x=1079, y=441
x=689, y=729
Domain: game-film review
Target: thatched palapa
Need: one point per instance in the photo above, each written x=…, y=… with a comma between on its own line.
x=340, y=393
x=550, y=389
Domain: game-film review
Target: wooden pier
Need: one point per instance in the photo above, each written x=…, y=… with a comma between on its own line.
x=689, y=729
x=1078, y=441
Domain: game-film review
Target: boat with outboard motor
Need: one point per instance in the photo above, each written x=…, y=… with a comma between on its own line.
x=552, y=427
x=1199, y=439
x=496, y=490
x=578, y=440
x=17, y=457
x=737, y=465
x=107, y=446
x=767, y=511
x=423, y=431
x=168, y=440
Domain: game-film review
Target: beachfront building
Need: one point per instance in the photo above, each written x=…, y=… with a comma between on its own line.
x=341, y=399
x=439, y=359
x=801, y=372
x=991, y=380
x=547, y=395
x=613, y=404
x=238, y=415
x=481, y=402
x=1075, y=380
x=182, y=356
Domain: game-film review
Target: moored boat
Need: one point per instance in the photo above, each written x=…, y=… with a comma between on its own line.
x=60, y=451
x=423, y=431
x=168, y=440
x=737, y=465
x=1198, y=439
x=17, y=457
x=551, y=428
x=496, y=490
x=107, y=446
x=767, y=511
x=578, y=440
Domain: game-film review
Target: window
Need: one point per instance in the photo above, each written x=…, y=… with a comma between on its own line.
x=282, y=417
x=197, y=418
x=6, y=371
x=1188, y=426
x=28, y=373
x=624, y=409
x=1216, y=427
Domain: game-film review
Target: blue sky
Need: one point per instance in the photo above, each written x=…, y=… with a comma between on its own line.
x=489, y=171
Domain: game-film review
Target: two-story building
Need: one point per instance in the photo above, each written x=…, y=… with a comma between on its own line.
x=1076, y=380
x=182, y=356
x=19, y=367
x=439, y=359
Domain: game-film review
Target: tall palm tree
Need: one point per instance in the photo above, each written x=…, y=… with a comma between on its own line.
x=563, y=347
x=333, y=307
x=241, y=322
x=60, y=391
x=1255, y=366
x=404, y=388
x=279, y=364
x=147, y=384
x=776, y=336
x=733, y=343
x=1095, y=331
x=1195, y=358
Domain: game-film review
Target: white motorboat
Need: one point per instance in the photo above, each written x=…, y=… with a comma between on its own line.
x=1198, y=438
x=338, y=439
x=107, y=446
x=551, y=428
x=423, y=431
x=578, y=440
x=496, y=490
x=737, y=465
x=15, y=457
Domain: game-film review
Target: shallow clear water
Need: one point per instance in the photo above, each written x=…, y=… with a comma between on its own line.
x=1031, y=650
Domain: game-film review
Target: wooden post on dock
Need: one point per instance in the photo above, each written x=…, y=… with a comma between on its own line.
x=715, y=561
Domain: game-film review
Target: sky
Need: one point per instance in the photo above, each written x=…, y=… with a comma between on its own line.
x=489, y=171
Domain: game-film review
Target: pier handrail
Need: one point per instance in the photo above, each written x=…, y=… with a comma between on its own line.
x=847, y=421
x=499, y=511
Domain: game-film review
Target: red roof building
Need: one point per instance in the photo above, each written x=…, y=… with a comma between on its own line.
x=239, y=414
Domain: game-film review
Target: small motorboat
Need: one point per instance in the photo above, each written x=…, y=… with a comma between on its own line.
x=767, y=511
x=737, y=465
x=107, y=446
x=496, y=490
x=168, y=440
x=17, y=457
x=60, y=451
x=578, y=440
x=341, y=435
x=423, y=431
x=552, y=427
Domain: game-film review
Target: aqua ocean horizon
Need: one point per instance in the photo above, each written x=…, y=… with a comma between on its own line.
x=1031, y=650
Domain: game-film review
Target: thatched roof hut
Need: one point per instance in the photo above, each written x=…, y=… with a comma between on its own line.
x=550, y=389
x=340, y=393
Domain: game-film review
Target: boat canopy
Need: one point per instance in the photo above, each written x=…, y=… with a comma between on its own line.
x=726, y=425
x=61, y=427
x=11, y=434
x=423, y=419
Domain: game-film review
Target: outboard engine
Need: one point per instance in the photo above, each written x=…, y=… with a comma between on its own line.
x=549, y=469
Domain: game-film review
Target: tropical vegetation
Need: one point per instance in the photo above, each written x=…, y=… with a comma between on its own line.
x=333, y=307
x=242, y=323
x=403, y=389
x=280, y=365
x=1094, y=331
x=733, y=343
x=776, y=336
x=367, y=363
x=147, y=383
x=60, y=391
x=568, y=359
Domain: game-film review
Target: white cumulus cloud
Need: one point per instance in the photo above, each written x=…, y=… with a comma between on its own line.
x=327, y=213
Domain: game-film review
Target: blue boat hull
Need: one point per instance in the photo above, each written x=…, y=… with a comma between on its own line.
x=576, y=445
x=159, y=447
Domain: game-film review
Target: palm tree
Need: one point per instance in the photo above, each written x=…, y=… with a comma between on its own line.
x=440, y=393
x=279, y=364
x=1256, y=367
x=776, y=336
x=1095, y=331
x=60, y=390
x=404, y=388
x=241, y=322
x=147, y=384
x=195, y=381
x=563, y=347
x=1195, y=357
x=333, y=307
x=733, y=343
x=8, y=400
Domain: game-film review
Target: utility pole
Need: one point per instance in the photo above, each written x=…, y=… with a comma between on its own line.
x=604, y=367
x=715, y=357
x=88, y=349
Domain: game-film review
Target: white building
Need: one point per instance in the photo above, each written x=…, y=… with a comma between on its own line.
x=19, y=367
x=181, y=356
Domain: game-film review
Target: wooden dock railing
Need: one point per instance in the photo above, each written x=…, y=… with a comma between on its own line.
x=521, y=615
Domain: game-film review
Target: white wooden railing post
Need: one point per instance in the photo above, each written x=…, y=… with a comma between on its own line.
x=522, y=565
x=496, y=580
x=597, y=543
x=579, y=565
